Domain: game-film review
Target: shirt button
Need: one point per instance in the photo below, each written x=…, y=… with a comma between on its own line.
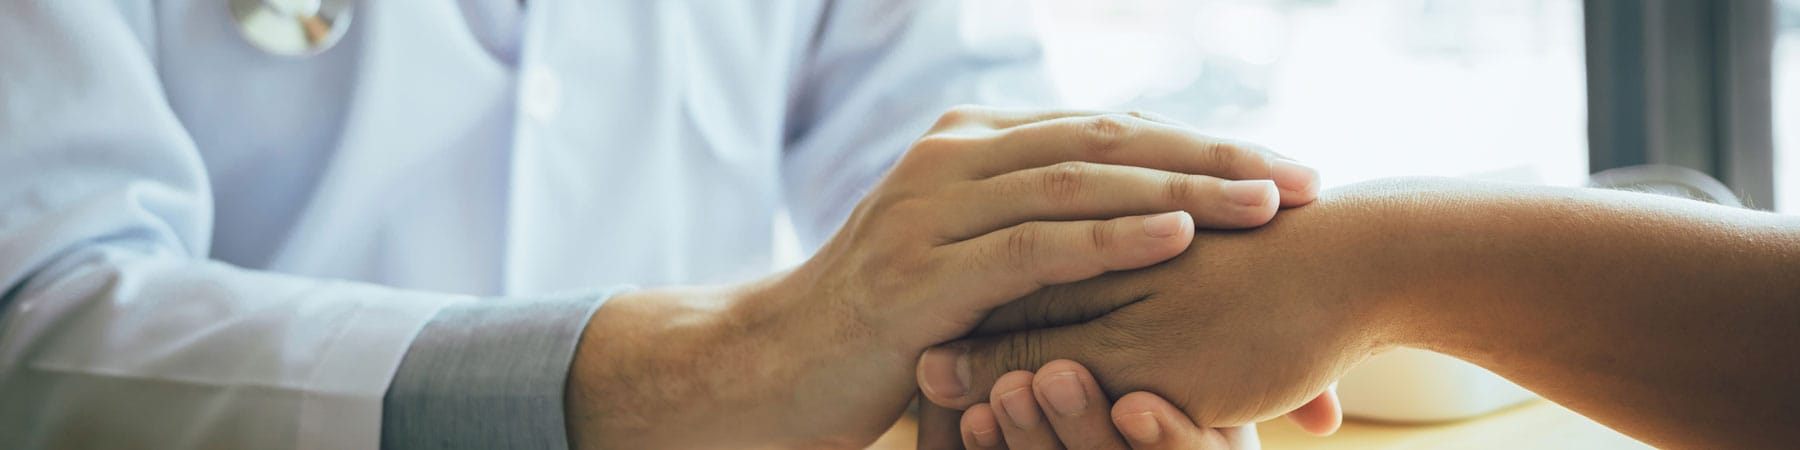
x=542, y=96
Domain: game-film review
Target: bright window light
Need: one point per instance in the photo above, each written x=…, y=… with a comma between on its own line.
x=1360, y=89
x=1787, y=108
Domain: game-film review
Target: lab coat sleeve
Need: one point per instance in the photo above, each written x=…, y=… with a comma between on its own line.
x=117, y=331
x=879, y=73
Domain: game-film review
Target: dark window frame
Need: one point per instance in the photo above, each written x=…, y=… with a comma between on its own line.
x=1687, y=83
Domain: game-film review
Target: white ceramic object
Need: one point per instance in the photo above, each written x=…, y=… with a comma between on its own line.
x=1410, y=385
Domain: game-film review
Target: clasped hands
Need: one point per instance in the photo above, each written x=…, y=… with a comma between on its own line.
x=981, y=392
x=1001, y=242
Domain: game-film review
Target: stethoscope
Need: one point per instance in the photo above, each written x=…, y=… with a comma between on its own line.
x=292, y=27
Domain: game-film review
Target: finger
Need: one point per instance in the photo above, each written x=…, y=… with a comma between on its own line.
x=1149, y=422
x=1322, y=415
x=977, y=118
x=1066, y=304
x=1019, y=117
x=1081, y=191
x=1009, y=263
x=938, y=428
x=1076, y=407
x=1000, y=118
x=1022, y=423
x=959, y=374
x=980, y=430
x=1132, y=141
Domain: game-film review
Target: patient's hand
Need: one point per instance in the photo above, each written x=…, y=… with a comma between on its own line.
x=1242, y=327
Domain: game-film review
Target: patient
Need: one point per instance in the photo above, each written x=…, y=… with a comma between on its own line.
x=1673, y=321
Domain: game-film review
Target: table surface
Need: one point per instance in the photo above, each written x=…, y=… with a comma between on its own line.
x=1534, y=424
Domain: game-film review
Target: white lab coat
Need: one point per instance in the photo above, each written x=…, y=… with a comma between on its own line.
x=205, y=245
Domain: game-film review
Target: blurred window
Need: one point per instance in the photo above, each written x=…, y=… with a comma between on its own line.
x=1360, y=89
x=1787, y=107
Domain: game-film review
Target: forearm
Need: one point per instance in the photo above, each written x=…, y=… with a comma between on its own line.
x=1671, y=320
x=645, y=374
x=724, y=367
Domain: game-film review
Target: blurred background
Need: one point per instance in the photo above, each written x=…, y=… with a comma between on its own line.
x=1519, y=89
x=1524, y=90
x=1787, y=107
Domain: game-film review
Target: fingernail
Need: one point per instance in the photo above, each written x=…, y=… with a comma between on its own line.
x=1139, y=427
x=946, y=371
x=986, y=438
x=1167, y=224
x=1251, y=193
x=1292, y=176
x=1021, y=409
x=1065, y=394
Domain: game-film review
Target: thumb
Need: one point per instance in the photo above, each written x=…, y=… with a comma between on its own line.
x=960, y=374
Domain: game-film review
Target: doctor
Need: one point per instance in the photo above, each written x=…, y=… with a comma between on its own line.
x=396, y=223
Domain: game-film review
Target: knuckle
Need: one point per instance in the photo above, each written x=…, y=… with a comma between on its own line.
x=1103, y=235
x=1019, y=351
x=1021, y=250
x=1225, y=154
x=1181, y=189
x=933, y=151
x=1102, y=134
x=937, y=143
x=959, y=115
x=1063, y=182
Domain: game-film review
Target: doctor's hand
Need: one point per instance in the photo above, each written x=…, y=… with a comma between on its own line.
x=989, y=206
x=1242, y=327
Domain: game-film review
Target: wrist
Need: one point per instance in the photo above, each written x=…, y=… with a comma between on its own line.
x=724, y=368
x=1395, y=247
x=669, y=368
x=1429, y=251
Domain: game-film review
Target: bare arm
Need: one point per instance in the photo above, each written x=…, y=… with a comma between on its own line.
x=1674, y=321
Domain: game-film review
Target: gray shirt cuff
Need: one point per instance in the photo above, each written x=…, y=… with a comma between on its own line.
x=488, y=374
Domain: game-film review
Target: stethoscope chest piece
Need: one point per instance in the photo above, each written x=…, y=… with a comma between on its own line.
x=292, y=27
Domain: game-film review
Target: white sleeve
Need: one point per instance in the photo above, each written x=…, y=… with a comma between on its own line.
x=117, y=332
x=878, y=75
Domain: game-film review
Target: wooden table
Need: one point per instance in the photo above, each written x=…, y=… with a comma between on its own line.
x=1535, y=424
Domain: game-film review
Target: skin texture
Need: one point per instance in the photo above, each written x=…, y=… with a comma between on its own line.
x=989, y=206
x=1670, y=320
